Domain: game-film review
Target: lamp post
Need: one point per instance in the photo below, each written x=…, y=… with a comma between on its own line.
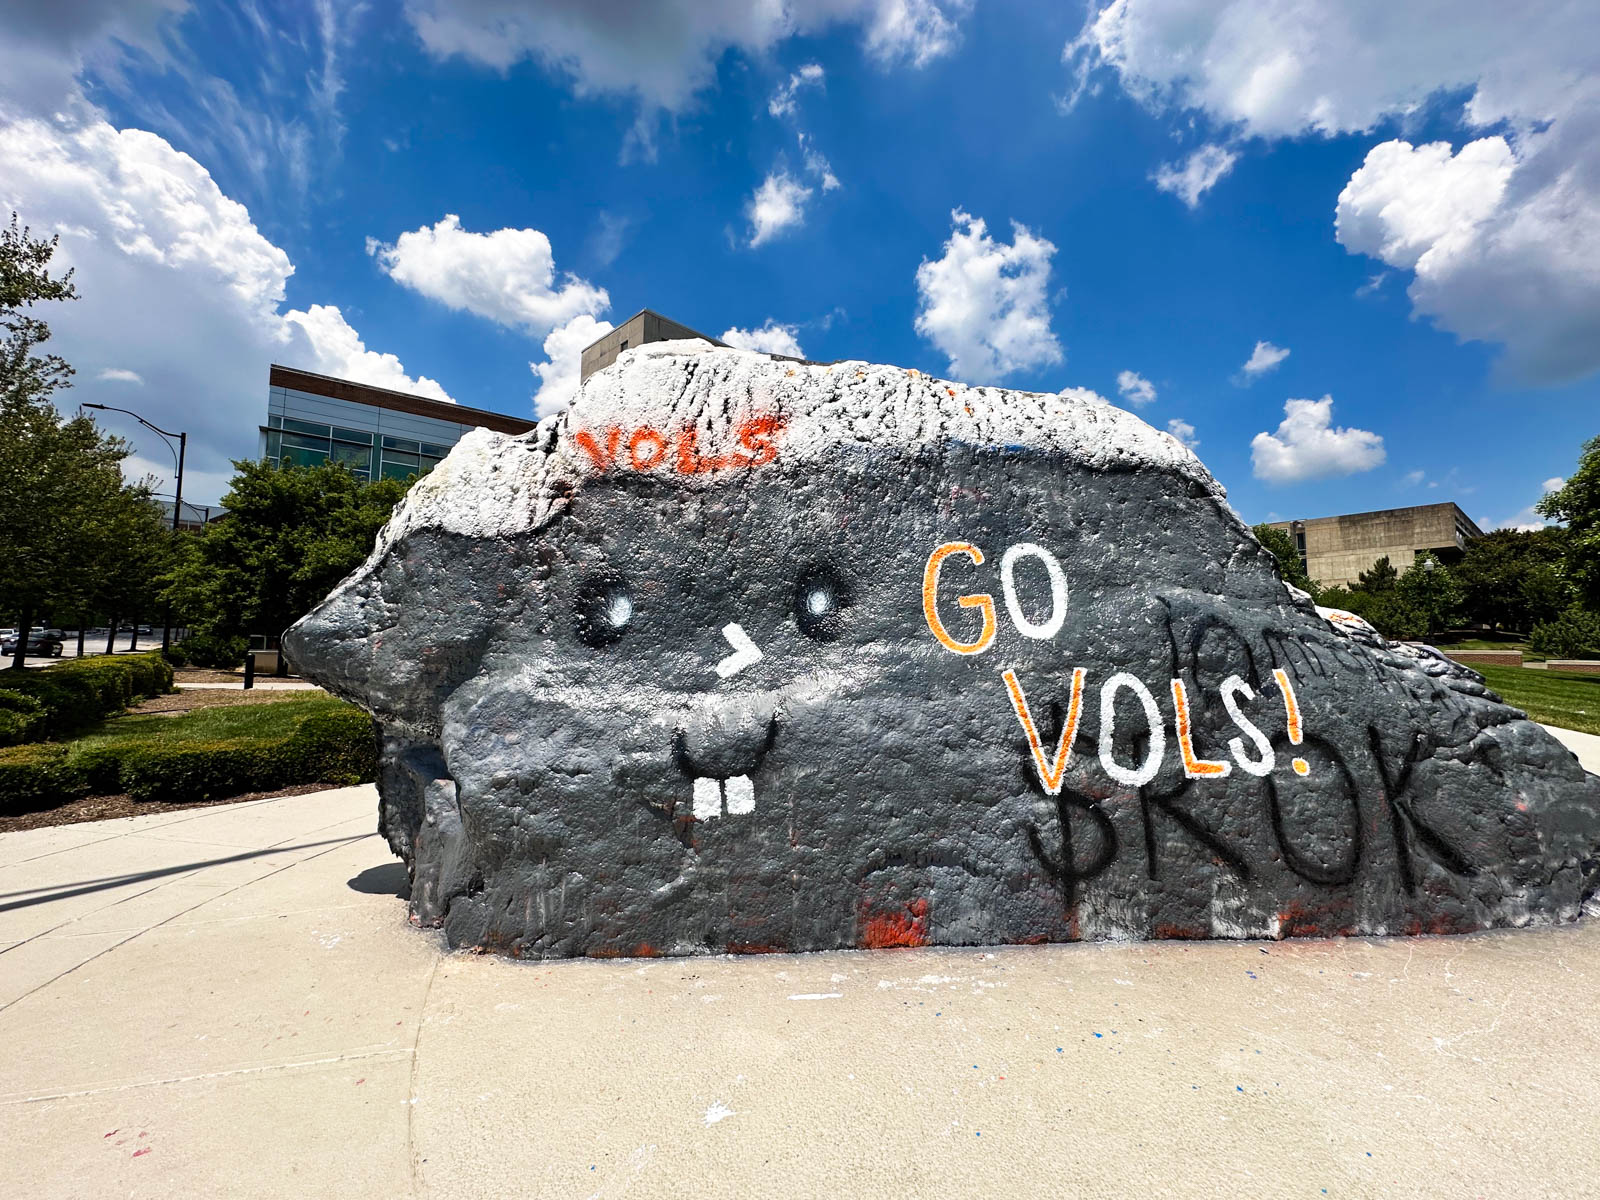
x=177, y=502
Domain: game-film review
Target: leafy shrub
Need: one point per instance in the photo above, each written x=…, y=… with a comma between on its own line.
x=36, y=776
x=21, y=718
x=177, y=655
x=172, y=758
x=1574, y=634
x=211, y=650
x=78, y=693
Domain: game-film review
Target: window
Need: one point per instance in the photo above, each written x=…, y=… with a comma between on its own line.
x=352, y=435
x=357, y=458
x=301, y=457
x=401, y=444
x=433, y=451
x=307, y=427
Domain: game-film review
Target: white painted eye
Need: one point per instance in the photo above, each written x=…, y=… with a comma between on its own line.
x=619, y=609
x=819, y=601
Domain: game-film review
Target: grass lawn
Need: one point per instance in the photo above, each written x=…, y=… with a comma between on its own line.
x=273, y=719
x=1502, y=642
x=1551, y=697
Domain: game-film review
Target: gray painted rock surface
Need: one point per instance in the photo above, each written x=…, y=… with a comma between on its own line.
x=749, y=655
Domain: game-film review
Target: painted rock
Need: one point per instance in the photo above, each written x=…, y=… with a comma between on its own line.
x=743, y=654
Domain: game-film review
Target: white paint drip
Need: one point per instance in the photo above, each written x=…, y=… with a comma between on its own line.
x=740, y=793
x=817, y=996
x=745, y=652
x=718, y=1112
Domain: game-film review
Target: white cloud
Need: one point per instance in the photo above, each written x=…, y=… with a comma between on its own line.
x=340, y=351
x=984, y=303
x=1262, y=359
x=1412, y=478
x=778, y=204
x=782, y=103
x=816, y=164
x=1184, y=432
x=178, y=285
x=46, y=45
x=663, y=52
x=1135, y=388
x=771, y=338
x=1307, y=446
x=120, y=375
x=508, y=276
x=1554, y=484
x=1504, y=231
x=1196, y=175
x=558, y=377
x=1084, y=395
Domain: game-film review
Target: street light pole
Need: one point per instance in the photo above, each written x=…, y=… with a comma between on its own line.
x=177, y=504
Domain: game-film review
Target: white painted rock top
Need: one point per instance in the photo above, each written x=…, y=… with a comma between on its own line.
x=698, y=413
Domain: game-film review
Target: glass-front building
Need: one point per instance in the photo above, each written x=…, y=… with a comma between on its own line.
x=376, y=433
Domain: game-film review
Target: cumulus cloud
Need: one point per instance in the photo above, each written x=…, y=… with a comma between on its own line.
x=508, y=276
x=984, y=303
x=779, y=204
x=563, y=348
x=120, y=375
x=1196, y=175
x=1501, y=231
x=1135, y=388
x=1262, y=359
x=1184, y=432
x=339, y=351
x=661, y=53
x=771, y=338
x=1554, y=484
x=178, y=285
x=1307, y=446
x=782, y=103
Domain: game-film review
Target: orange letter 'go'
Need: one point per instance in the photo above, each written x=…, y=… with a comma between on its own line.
x=981, y=601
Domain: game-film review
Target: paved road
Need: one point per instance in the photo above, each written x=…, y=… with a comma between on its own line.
x=93, y=645
x=228, y=1001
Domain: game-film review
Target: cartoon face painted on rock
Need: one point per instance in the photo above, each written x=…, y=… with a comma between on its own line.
x=812, y=687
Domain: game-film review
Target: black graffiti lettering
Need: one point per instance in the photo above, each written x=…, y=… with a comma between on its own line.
x=1403, y=820
x=1189, y=823
x=1309, y=869
x=1065, y=871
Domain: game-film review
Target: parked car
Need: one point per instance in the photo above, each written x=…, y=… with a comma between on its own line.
x=42, y=643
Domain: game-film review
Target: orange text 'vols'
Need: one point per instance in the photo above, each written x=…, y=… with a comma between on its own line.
x=645, y=449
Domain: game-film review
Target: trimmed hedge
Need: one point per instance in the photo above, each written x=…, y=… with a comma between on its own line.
x=320, y=742
x=73, y=695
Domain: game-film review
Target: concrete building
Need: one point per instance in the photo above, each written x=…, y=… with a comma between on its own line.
x=1335, y=550
x=377, y=433
x=646, y=325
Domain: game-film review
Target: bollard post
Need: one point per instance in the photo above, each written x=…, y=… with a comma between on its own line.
x=249, y=670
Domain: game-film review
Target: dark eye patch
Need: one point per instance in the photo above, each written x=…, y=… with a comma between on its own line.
x=820, y=597
x=602, y=610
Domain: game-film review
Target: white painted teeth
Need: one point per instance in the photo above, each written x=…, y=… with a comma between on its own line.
x=709, y=794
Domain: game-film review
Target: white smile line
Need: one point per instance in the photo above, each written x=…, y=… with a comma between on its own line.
x=745, y=652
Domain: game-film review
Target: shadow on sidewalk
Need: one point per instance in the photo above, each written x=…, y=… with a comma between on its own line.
x=65, y=891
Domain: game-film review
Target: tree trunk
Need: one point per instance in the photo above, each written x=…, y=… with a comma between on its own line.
x=111, y=638
x=23, y=626
x=82, y=621
x=133, y=638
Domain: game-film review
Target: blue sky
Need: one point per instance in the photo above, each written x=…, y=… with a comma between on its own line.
x=447, y=197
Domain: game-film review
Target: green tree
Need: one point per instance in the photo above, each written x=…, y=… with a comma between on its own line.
x=290, y=535
x=1379, y=578
x=1426, y=599
x=1574, y=633
x=1514, y=578
x=1577, y=503
x=65, y=510
x=1281, y=546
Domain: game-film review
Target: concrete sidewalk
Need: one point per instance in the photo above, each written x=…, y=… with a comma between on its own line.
x=228, y=1002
